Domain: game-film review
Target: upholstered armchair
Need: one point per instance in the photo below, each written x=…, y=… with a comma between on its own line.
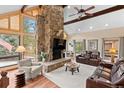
x=32, y=69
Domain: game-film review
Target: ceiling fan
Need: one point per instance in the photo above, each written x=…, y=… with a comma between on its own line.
x=82, y=11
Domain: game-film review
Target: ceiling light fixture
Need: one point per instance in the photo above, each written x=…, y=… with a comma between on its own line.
x=79, y=29
x=91, y=27
x=69, y=6
x=106, y=24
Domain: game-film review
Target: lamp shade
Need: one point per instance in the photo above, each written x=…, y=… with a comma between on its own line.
x=20, y=49
x=112, y=50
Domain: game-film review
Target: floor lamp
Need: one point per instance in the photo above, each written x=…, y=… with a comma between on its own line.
x=21, y=50
x=112, y=52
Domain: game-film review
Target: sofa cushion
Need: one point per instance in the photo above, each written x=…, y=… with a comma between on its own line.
x=94, y=56
x=81, y=57
x=83, y=53
x=107, y=70
x=105, y=75
x=87, y=56
x=94, y=60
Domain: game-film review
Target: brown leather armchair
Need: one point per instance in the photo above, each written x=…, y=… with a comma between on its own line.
x=112, y=77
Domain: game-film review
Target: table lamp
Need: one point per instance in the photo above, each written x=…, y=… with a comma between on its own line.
x=21, y=50
x=112, y=52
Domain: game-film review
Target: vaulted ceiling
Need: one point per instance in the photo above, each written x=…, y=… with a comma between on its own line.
x=106, y=21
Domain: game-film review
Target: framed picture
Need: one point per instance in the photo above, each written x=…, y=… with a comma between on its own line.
x=93, y=44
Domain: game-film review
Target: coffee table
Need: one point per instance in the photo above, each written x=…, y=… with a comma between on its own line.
x=72, y=67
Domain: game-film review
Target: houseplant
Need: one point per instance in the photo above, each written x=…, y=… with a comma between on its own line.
x=43, y=56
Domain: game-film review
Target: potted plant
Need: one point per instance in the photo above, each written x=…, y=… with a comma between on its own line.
x=43, y=56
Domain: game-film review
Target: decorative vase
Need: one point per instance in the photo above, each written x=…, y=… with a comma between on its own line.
x=43, y=59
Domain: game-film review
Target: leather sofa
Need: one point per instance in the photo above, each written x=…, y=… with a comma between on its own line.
x=32, y=69
x=107, y=75
x=89, y=58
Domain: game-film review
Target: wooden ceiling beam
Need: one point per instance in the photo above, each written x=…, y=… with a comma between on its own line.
x=64, y=6
x=23, y=8
x=102, y=12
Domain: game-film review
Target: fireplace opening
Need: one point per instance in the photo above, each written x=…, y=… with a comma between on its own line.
x=58, y=46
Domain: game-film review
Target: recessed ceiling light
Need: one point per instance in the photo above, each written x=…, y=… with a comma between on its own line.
x=79, y=29
x=69, y=6
x=106, y=24
x=91, y=27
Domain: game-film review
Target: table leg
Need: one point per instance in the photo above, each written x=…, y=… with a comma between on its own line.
x=78, y=69
x=72, y=70
x=66, y=68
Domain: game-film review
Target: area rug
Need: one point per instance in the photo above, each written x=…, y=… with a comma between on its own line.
x=66, y=80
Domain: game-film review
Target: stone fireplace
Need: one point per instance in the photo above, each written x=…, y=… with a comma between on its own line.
x=50, y=25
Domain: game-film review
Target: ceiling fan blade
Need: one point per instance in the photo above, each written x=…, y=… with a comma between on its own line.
x=92, y=7
x=72, y=15
x=76, y=9
x=88, y=14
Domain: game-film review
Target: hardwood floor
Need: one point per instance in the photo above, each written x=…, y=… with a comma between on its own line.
x=38, y=82
x=9, y=68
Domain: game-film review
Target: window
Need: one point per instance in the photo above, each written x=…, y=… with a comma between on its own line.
x=29, y=25
x=8, y=45
x=108, y=44
x=92, y=45
x=14, y=22
x=4, y=23
x=30, y=45
x=78, y=47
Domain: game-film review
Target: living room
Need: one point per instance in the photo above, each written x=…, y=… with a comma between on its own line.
x=61, y=46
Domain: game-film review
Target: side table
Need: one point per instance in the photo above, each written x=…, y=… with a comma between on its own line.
x=20, y=79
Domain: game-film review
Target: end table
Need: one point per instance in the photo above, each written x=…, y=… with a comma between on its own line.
x=20, y=79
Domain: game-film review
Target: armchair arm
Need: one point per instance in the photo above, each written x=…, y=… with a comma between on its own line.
x=120, y=81
x=105, y=64
x=92, y=83
x=26, y=69
x=36, y=63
